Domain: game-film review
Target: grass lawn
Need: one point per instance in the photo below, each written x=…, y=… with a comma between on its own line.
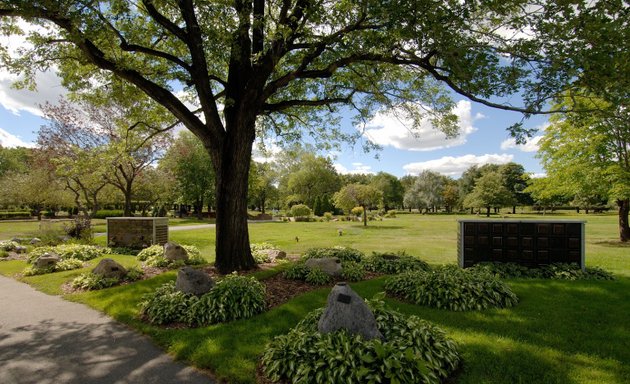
x=560, y=332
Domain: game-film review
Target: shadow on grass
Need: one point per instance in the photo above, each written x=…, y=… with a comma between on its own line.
x=612, y=244
x=572, y=323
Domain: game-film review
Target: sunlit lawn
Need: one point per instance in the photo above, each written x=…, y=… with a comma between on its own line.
x=560, y=332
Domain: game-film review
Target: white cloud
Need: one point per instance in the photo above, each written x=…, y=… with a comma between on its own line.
x=49, y=89
x=387, y=129
x=530, y=146
x=8, y=140
x=537, y=175
x=455, y=166
x=49, y=86
x=357, y=168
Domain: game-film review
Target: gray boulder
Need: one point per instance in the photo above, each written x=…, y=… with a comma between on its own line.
x=35, y=240
x=47, y=260
x=193, y=281
x=345, y=309
x=276, y=254
x=174, y=252
x=20, y=249
x=330, y=265
x=109, y=268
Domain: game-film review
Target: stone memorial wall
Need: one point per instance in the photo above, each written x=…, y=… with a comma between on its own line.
x=526, y=242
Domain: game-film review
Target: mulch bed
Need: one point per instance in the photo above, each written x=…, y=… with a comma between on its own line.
x=14, y=256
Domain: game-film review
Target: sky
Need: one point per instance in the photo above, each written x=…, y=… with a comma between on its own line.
x=483, y=136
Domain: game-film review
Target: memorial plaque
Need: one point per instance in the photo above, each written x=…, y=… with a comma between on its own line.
x=527, y=242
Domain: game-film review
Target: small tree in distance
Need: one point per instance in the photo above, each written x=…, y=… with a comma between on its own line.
x=360, y=195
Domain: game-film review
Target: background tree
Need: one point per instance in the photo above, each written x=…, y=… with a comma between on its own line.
x=14, y=159
x=280, y=64
x=515, y=180
x=546, y=194
x=115, y=141
x=189, y=163
x=262, y=189
x=312, y=176
x=426, y=191
x=358, y=195
x=589, y=154
x=489, y=192
x=391, y=187
x=450, y=194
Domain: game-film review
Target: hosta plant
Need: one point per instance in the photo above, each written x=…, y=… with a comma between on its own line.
x=260, y=252
x=343, y=253
x=316, y=276
x=166, y=305
x=557, y=271
x=70, y=251
x=393, y=263
x=234, y=297
x=62, y=265
x=453, y=288
x=153, y=256
x=8, y=245
x=352, y=271
x=413, y=351
x=91, y=282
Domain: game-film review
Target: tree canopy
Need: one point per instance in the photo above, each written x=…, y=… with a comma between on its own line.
x=233, y=71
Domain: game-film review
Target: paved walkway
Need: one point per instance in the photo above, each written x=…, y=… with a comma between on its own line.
x=47, y=340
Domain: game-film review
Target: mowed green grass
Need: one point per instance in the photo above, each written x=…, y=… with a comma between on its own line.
x=560, y=332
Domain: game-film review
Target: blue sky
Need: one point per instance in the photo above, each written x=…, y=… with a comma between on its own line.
x=483, y=138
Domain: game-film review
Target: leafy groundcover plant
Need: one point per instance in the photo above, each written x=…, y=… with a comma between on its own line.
x=343, y=253
x=153, y=256
x=70, y=251
x=259, y=252
x=234, y=297
x=91, y=282
x=453, y=288
x=391, y=264
x=62, y=265
x=413, y=351
x=557, y=271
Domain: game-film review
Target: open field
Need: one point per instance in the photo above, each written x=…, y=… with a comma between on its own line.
x=560, y=332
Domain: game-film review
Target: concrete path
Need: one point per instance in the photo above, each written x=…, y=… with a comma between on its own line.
x=47, y=340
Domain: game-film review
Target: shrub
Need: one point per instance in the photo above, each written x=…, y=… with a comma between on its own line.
x=453, y=288
x=300, y=210
x=316, y=276
x=390, y=263
x=3, y=253
x=558, y=271
x=352, y=271
x=328, y=216
x=79, y=228
x=105, y=213
x=343, y=253
x=134, y=274
x=69, y=251
x=15, y=215
x=62, y=265
x=414, y=351
x=8, y=245
x=357, y=211
x=166, y=305
x=234, y=297
x=391, y=214
x=91, y=281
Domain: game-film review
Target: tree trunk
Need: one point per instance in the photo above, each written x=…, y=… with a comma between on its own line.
x=624, y=226
x=514, y=209
x=232, y=169
x=364, y=216
x=487, y=211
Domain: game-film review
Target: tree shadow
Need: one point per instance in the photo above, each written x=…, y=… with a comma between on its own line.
x=613, y=244
x=73, y=352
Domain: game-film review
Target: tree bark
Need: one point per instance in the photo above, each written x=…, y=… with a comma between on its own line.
x=624, y=226
x=487, y=211
x=364, y=216
x=232, y=163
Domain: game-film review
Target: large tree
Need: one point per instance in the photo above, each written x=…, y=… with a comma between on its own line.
x=489, y=192
x=283, y=65
x=589, y=155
